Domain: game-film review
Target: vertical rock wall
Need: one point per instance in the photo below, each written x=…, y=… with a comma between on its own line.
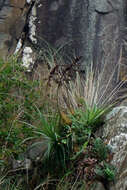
x=95, y=30
x=92, y=29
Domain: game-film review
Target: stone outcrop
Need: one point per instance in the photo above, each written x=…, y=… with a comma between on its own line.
x=115, y=132
x=13, y=15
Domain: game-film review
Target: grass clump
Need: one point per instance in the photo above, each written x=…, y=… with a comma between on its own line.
x=82, y=97
x=55, y=138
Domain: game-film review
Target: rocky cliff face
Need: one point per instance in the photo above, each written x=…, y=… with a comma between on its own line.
x=92, y=29
x=95, y=30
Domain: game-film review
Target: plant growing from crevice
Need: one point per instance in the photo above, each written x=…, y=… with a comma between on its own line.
x=92, y=166
x=100, y=149
x=106, y=172
x=83, y=97
x=83, y=102
x=91, y=118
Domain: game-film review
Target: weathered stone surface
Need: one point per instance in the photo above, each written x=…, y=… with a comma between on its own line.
x=13, y=15
x=115, y=132
x=96, y=30
x=98, y=186
x=91, y=27
x=22, y=164
x=18, y=3
x=36, y=151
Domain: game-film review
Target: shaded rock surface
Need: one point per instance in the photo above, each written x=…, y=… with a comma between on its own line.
x=92, y=29
x=96, y=30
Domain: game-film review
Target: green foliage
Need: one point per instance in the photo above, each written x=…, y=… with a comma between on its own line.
x=55, y=138
x=10, y=183
x=89, y=117
x=109, y=172
x=81, y=99
x=106, y=171
x=18, y=94
x=100, y=149
x=85, y=122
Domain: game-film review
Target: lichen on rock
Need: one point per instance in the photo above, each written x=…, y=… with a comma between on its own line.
x=18, y=47
x=116, y=132
x=27, y=58
x=28, y=1
x=32, y=26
